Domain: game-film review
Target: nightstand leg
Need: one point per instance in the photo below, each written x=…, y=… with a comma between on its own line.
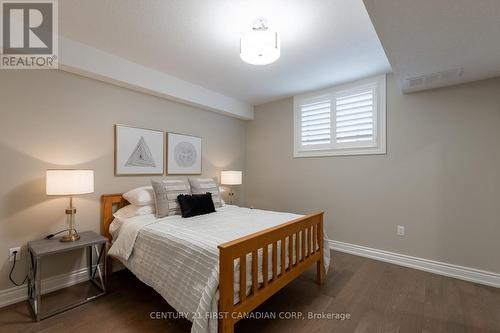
x=89, y=261
x=106, y=263
x=38, y=289
x=30, y=277
x=98, y=267
x=31, y=283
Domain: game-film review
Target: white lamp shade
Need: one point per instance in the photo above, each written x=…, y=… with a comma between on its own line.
x=260, y=47
x=69, y=182
x=231, y=177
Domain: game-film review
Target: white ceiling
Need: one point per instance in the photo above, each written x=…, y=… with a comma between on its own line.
x=324, y=42
x=429, y=36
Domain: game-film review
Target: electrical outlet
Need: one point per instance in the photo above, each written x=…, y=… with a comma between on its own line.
x=16, y=256
x=401, y=230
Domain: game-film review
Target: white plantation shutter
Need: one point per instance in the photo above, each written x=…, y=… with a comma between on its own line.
x=355, y=116
x=344, y=120
x=315, y=122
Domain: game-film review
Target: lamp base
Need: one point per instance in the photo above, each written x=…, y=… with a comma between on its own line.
x=231, y=195
x=70, y=238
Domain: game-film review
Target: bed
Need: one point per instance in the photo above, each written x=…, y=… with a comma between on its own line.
x=212, y=268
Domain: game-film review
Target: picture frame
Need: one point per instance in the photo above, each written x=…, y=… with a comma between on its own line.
x=184, y=154
x=139, y=151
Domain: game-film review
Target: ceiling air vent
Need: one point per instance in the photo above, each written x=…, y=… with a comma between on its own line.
x=415, y=83
x=433, y=80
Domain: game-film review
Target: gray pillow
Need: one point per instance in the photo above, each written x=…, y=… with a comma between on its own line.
x=204, y=185
x=166, y=192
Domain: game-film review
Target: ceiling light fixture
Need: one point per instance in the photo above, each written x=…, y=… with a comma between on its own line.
x=260, y=46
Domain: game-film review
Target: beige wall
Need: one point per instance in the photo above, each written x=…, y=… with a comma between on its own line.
x=440, y=177
x=54, y=119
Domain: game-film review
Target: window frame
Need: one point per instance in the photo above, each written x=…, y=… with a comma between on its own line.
x=376, y=147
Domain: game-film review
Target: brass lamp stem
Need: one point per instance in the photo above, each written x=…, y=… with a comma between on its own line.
x=231, y=194
x=72, y=235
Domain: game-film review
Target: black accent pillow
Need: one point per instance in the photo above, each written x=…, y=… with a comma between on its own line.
x=196, y=204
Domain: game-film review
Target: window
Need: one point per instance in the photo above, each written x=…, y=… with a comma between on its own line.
x=343, y=120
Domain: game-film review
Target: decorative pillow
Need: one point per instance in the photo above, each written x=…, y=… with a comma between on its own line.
x=165, y=194
x=204, y=185
x=196, y=204
x=140, y=196
x=134, y=210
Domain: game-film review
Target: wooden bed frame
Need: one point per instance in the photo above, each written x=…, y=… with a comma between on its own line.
x=309, y=227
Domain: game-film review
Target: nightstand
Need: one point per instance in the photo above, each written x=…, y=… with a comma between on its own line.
x=42, y=248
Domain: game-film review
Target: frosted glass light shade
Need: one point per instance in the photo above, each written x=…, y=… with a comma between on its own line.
x=231, y=177
x=69, y=182
x=260, y=47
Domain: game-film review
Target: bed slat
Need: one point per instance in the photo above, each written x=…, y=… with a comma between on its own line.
x=243, y=278
x=310, y=240
x=315, y=236
x=297, y=240
x=255, y=272
x=275, y=260
x=282, y=258
x=303, y=243
x=265, y=266
x=307, y=241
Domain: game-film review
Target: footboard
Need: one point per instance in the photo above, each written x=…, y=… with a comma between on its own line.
x=300, y=240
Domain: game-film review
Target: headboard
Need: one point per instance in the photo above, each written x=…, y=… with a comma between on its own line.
x=109, y=204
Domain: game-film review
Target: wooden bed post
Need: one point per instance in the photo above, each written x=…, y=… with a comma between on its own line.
x=226, y=290
x=107, y=203
x=320, y=265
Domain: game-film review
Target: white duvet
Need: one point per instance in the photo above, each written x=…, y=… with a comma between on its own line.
x=178, y=257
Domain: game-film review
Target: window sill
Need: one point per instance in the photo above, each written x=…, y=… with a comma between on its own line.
x=340, y=152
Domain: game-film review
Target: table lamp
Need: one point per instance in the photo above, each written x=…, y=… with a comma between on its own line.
x=69, y=183
x=231, y=178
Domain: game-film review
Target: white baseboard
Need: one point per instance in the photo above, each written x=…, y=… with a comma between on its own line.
x=455, y=271
x=18, y=294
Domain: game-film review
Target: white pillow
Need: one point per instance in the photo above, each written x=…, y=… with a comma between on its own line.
x=115, y=226
x=134, y=210
x=140, y=196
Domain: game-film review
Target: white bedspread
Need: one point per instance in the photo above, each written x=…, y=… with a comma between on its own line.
x=179, y=257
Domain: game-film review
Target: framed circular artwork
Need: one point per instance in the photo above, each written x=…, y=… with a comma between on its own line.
x=183, y=154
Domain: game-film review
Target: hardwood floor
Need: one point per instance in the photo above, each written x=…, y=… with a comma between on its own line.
x=377, y=297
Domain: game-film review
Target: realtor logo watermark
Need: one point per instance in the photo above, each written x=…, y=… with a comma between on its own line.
x=29, y=34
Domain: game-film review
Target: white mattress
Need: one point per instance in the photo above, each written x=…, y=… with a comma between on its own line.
x=178, y=257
